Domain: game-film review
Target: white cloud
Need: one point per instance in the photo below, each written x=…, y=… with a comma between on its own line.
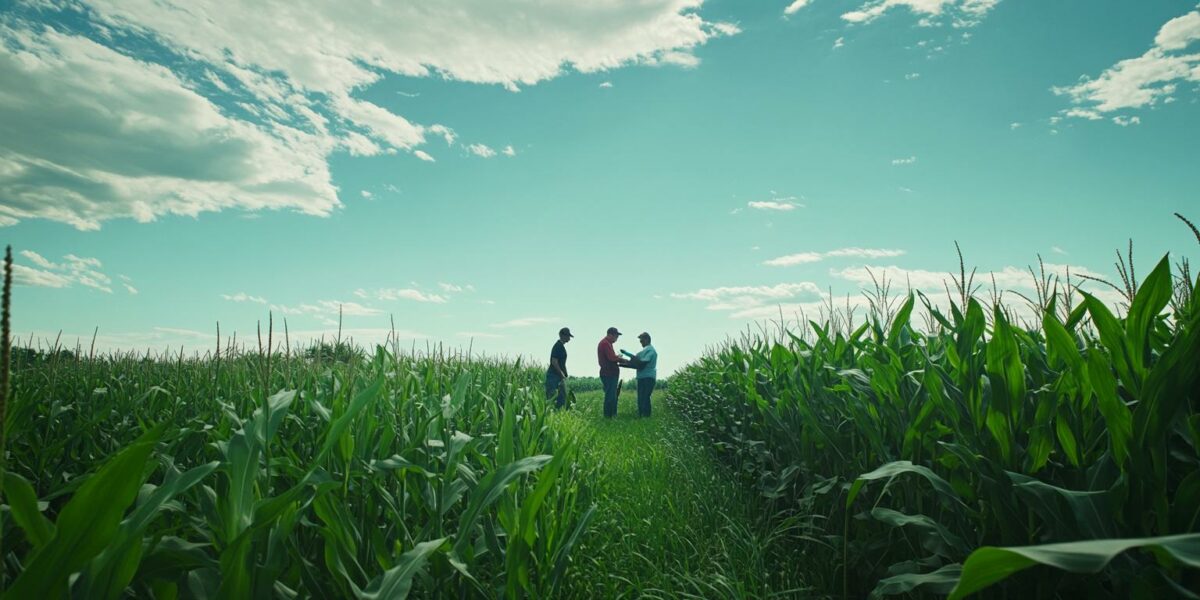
x=795, y=6
x=402, y=294
x=742, y=298
x=326, y=310
x=904, y=161
x=1143, y=81
x=244, y=297
x=367, y=195
x=134, y=139
x=72, y=269
x=481, y=150
x=838, y=43
x=1124, y=121
x=912, y=76
x=606, y=84
x=960, y=13
x=812, y=257
x=479, y=334
x=795, y=259
x=525, y=322
x=780, y=205
x=508, y=151
x=1057, y=250
x=1009, y=277
x=1014, y=125
x=451, y=288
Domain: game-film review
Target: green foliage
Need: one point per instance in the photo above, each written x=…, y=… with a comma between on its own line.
x=340, y=475
x=910, y=451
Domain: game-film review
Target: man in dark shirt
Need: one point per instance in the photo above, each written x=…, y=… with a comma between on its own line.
x=556, y=374
x=610, y=372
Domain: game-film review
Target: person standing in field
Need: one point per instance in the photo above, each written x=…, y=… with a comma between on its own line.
x=646, y=363
x=556, y=374
x=610, y=371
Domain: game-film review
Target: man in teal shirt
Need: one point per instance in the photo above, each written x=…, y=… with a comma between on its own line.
x=646, y=363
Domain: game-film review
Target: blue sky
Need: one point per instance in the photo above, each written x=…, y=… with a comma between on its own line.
x=484, y=173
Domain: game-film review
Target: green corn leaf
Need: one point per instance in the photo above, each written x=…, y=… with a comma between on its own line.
x=339, y=425
x=1152, y=297
x=989, y=565
x=23, y=503
x=489, y=490
x=940, y=581
x=87, y=523
x=396, y=583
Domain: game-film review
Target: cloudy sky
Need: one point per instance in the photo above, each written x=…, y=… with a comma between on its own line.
x=484, y=172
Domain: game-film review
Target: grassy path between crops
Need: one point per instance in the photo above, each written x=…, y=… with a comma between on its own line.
x=670, y=523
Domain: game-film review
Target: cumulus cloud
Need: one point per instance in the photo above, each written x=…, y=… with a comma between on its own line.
x=959, y=13
x=401, y=294
x=606, y=84
x=71, y=270
x=525, y=322
x=246, y=104
x=777, y=204
x=130, y=140
x=742, y=298
x=795, y=6
x=812, y=257
x=481, y=150
x=508, y=151
x=244, y=297
x=1143, y=81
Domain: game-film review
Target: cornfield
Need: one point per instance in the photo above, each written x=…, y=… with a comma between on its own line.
x=946, y=459
x=277, y=475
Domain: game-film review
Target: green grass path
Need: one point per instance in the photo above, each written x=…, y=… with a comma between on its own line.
x=670, y=523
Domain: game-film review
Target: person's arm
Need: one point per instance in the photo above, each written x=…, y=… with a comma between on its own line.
x=558, y=367
x=610, y=355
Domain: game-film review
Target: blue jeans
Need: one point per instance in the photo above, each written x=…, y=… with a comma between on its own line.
x=554, y=385
x=610, y=383
x=645, y=388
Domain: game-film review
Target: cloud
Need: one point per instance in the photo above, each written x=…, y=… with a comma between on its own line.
x=366, y=194
x=481, y=150
x=401, y=294
x=795, y=6
x=478, y=334
x=525, y=322
x=325, y=310
x=741, y=298
x=1009, y=277
x=70, y=270
x=606, y=84
x=771, y=205
x=130, y=140
x=812, y=257
x=244, y=297
x=904, y=161
x=1126, y=121
x=1143, y=81
x=838, y=43
x=451, y=288
x=1057, y=250
x=1014, y=125
x=912, y=76
x=959, y=13
x=240, y=106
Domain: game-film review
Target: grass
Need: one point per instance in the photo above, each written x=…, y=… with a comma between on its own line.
x=670, y=522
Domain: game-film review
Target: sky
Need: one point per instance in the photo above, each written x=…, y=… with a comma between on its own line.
x=480, y=173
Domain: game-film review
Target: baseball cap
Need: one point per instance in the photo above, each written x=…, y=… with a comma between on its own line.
x=644, y=335
x=565, y=331
x=613, y=331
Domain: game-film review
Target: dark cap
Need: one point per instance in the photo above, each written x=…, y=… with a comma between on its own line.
x=565, y=331
x=643, y=335
x=613, y=331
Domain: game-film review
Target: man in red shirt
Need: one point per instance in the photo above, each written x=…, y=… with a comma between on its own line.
x=610, y=372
